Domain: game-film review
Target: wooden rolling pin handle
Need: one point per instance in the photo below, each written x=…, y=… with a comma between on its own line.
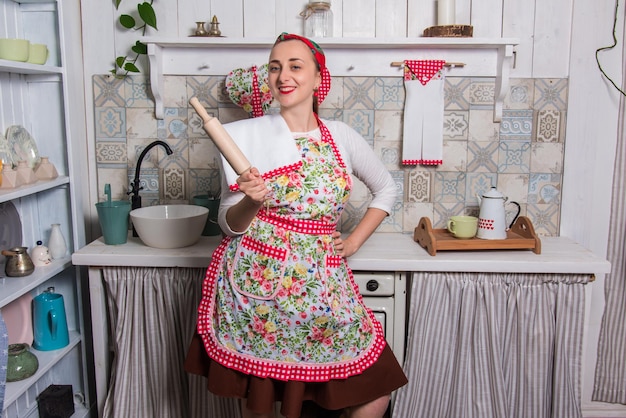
x=200, y=110
x=221, y=139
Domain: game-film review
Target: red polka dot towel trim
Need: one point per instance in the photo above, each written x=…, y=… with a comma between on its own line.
x=422, y=162
x=422, y=70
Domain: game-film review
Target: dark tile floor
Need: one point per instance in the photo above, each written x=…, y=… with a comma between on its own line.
x=311, y=410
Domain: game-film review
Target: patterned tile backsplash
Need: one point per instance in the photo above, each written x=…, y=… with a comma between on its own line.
x=522, y=155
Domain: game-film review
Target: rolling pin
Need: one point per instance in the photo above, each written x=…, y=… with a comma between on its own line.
x=221, y=139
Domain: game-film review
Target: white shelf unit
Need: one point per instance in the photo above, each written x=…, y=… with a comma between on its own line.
x=345, y=57
x=48, y=102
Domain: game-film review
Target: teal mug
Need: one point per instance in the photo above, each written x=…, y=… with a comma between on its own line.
x=49, y=322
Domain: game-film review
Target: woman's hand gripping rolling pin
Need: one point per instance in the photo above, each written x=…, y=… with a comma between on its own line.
x=250, y=181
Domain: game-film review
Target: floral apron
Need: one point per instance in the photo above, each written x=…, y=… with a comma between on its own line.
x=277, y=301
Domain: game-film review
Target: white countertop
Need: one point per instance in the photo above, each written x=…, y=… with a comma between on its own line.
x=383, y=251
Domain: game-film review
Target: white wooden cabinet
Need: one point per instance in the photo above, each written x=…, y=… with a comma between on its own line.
x=48, y=100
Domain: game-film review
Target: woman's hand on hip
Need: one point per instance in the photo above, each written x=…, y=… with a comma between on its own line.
x=343, y=247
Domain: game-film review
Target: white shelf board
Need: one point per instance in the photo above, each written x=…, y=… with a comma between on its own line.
x=11, y=288
x=29, y=189
x=27, y=68
x=334, y=43
x=35, y=1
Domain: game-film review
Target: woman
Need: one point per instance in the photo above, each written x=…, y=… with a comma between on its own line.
x=281, y=318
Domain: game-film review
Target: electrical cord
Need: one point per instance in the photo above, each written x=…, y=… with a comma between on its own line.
x=610, y=47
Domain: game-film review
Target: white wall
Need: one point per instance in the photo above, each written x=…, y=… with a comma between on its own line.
x=589, y=155
x=558, y=38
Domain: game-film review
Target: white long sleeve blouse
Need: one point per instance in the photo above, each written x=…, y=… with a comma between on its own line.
x=360, y=160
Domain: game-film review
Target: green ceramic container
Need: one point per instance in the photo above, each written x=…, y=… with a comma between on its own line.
x=21, y=363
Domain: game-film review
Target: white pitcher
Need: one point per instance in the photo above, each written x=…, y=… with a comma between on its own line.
x=492, y=218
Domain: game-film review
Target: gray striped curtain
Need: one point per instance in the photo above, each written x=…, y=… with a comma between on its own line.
x=610, y=379
x=493, y=345
x=152, y=314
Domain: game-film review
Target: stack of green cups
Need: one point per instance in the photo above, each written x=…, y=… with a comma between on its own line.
x=213, y=204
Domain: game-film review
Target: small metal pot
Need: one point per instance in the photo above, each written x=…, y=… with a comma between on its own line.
x=18, y=262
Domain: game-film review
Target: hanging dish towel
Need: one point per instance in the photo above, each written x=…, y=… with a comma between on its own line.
x=249, y=90
x=422, y=141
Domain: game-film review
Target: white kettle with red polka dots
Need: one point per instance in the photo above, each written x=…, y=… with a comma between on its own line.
x=492, y=222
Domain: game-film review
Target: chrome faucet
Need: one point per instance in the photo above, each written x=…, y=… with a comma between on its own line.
x=136, y=184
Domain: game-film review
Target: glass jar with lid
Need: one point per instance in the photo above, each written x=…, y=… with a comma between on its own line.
x=318, y=19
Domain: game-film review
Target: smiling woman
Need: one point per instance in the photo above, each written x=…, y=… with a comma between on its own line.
x=281, y=305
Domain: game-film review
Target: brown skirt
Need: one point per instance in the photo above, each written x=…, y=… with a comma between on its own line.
x=382, y=378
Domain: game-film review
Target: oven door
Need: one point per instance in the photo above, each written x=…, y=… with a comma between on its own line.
x=384, y=293
x=383, y=311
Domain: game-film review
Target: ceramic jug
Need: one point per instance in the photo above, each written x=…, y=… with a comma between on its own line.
x=49, y=321
x=56, y=244
x=492, y=217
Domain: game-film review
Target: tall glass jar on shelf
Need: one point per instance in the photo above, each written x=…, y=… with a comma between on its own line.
x=318, y=19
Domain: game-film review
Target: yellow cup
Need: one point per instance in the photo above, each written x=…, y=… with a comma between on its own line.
x=463, y=227
x=14, y=49
x=38, y=54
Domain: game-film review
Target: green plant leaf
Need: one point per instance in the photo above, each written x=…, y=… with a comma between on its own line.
x=147, y=18
x=140, y=48
x=146, y=12
x=127, y=21
x=131, y=68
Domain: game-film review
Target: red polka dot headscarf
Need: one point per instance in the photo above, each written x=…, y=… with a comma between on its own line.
x=320, y=58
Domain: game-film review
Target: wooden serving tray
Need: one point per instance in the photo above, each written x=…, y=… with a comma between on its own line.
x=521, y=236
